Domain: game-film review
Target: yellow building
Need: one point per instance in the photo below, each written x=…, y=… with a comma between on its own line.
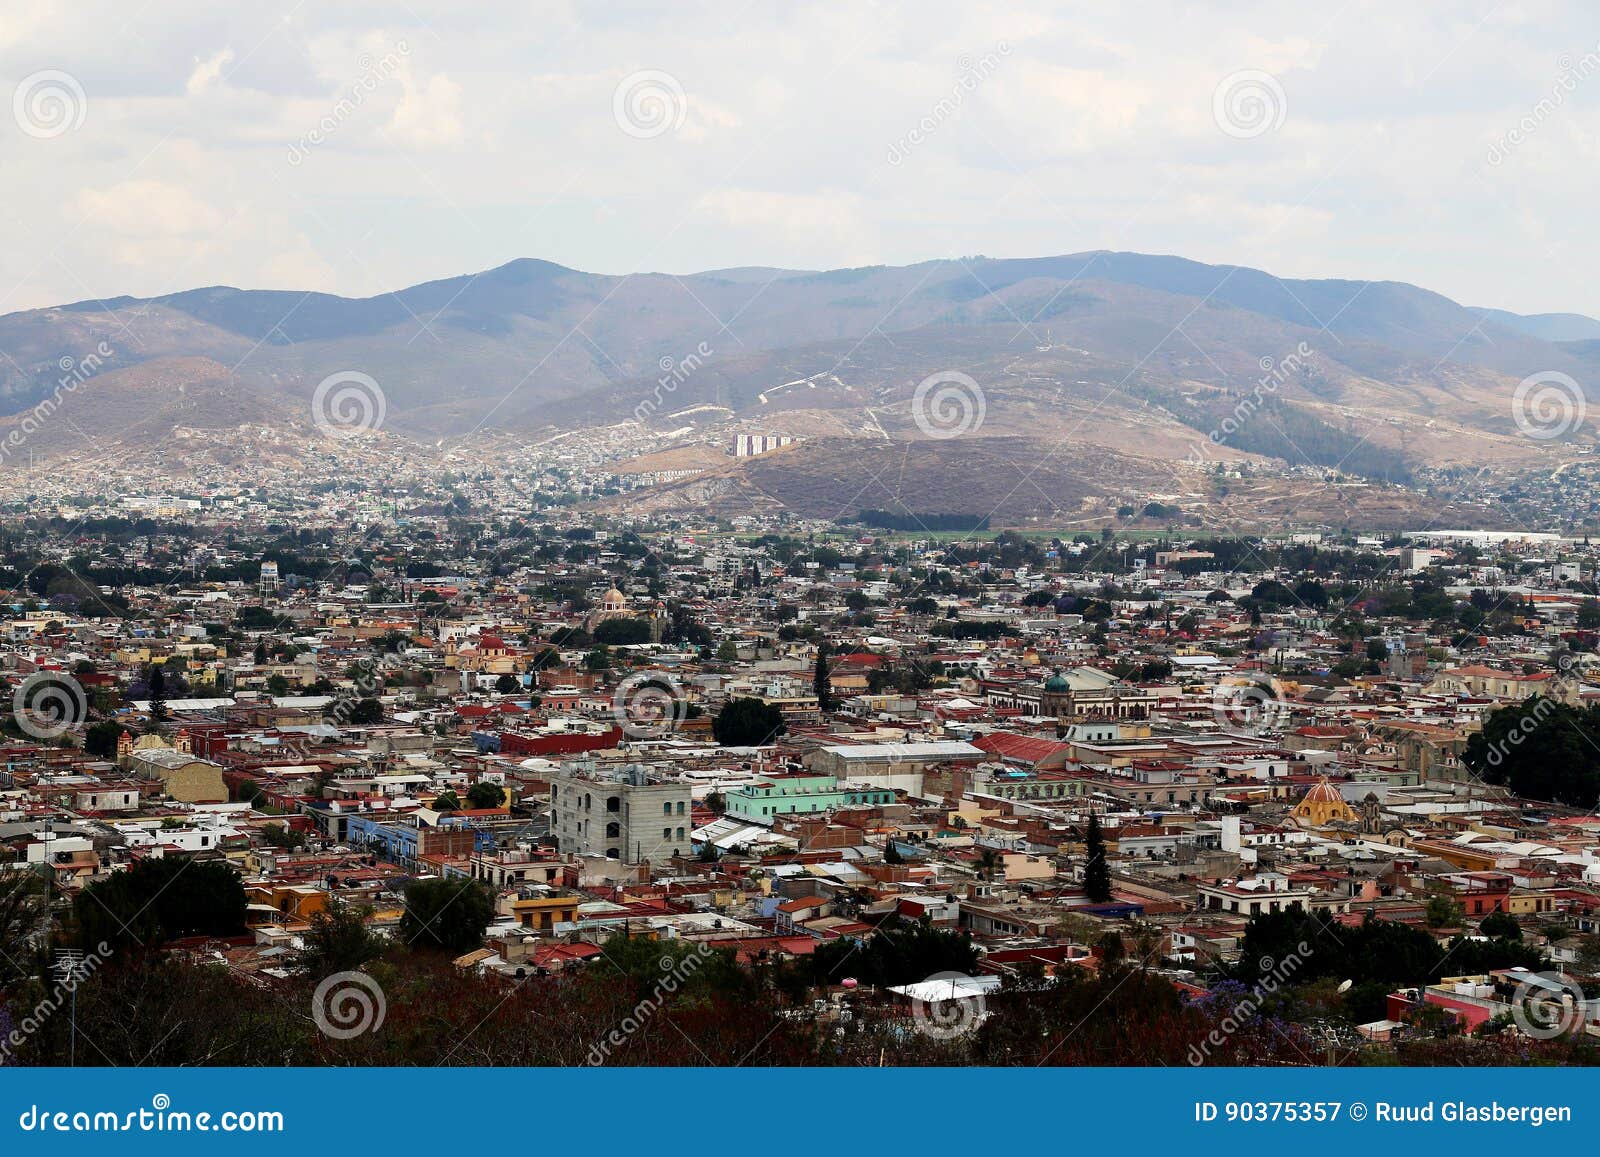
x=183, y=776
x=543, y=913
x=1323, y=805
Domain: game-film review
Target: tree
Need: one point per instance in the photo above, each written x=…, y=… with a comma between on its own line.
x=1502, y=925
x=1110, y=948
x=747, y=723
x=24, y=924
x=1542, y=749
x=449, y=915
x=339, y=940
x=989, y=862
x=1096, y=872
x=820, y=680
x=506, y=684
x=367, y=712
x=622, y=631
x=277, y=686
x=483, y=795
x=900, y=953
x=285, y=837
x=100, y=739
x=158, y=900
x=158, y=694
x=447, y=801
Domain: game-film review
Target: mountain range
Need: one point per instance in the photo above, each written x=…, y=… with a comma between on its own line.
x=1104, y=353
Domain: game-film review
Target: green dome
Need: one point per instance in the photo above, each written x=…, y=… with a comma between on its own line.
x=1057, y=682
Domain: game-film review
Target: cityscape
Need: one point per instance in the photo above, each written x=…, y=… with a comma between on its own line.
x=810, y=550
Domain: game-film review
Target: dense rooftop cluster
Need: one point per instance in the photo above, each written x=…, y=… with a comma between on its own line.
x=821, y=792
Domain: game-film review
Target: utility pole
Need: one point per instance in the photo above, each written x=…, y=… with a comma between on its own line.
x=69, y=964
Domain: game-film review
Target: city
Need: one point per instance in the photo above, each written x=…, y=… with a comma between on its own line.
x=1288, y=799
x=581, y=572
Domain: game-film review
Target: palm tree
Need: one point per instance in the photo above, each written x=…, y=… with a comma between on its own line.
x=988, y=861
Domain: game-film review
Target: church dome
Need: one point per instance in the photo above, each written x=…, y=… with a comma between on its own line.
x=1057, y=683
x=613, y=598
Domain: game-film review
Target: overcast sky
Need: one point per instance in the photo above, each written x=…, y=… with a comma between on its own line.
x=156, y=145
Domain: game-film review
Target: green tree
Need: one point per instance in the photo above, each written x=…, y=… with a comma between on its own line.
x=1096, y=871
x=339, y=940
x=100, y=739
x=158, y=694
x=820, y=681
x=1501, y=925
x=1542, y=749
x=447, y=801
x=158, y=900
x=747, y=723
x=1444, y=912
x=507, y=684
x=897, y=953
x=366, y=712
x=989, y=862
x=449, y=915
x=277, y=686
x=483, y=795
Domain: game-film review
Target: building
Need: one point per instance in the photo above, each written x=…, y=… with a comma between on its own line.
x=749, y=445
x=800, y=794
x=182, y=776
x=625, y=814
x=1256, y=896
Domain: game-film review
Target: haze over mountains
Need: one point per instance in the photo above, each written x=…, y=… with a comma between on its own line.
x=1106, y=353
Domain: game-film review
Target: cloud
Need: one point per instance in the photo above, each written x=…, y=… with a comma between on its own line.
x=142, y=209
x=207, y=72
x=429, y=113
x=494, y=137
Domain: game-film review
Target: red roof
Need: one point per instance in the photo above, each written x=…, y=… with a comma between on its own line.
x=1025, y=748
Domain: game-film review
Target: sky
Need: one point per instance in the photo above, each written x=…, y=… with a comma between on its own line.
x=359, y=147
